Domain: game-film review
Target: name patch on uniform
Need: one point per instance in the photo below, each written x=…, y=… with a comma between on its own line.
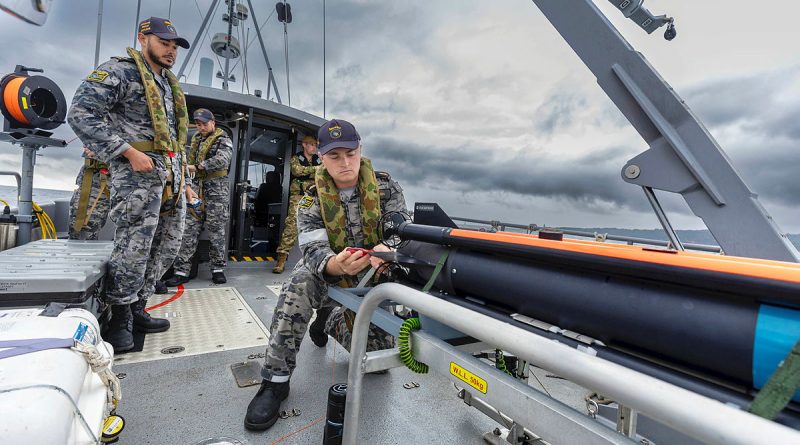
x=306, y=202
x=97, y=76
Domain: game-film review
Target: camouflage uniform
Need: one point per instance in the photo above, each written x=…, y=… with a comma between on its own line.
x=306, y=288
x=109, y=111
x=214, y=212
x=302, y=177
x=97, y=207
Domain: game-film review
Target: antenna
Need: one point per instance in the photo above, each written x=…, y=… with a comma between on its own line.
x=227, y=46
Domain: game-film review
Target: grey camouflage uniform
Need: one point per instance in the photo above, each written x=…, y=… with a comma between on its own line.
x=107, y=115
x=213, y=214
x=96, y=219
x=306, y=288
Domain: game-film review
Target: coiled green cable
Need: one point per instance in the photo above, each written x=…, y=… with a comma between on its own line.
x=500, y=361
x=406, y=356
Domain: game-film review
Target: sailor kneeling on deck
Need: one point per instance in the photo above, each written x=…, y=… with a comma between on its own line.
x=353, y=197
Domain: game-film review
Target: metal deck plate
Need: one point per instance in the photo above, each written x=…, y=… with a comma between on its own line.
x=247, y=373
x=202, y=321
x=276, y=289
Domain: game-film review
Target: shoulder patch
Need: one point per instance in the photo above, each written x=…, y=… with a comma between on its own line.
x=306, y=202
x=383, y=175
x=97, y=76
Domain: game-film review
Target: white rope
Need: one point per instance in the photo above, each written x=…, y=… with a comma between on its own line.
x=100, y=364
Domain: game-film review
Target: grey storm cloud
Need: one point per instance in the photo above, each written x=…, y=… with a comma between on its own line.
x=477, y=120
x=591, y=180
x=768, y=154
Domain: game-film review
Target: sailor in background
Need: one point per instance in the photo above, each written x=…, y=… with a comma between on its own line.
x=132, y=113
x=88, y=208
x=354, y=196
x=303, y=167
x=209, y=159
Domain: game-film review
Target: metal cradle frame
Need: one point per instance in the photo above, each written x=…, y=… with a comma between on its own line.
x=704, y=419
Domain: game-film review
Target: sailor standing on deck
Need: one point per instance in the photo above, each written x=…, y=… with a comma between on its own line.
x=354, y=196
x=303, y=167
x=209, y=159
x=132, y=112
x=88, y=208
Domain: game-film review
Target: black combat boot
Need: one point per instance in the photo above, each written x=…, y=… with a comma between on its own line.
x=176, y=280
x=317, y=329
x=218, y=277
x=262, y=412
x=120, y=328
x=143, y=322
x=161, y=288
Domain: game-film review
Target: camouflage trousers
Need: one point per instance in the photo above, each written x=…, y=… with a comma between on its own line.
x=303, y=292
x=146, y=241
x=289, y=234
x=213, y=215
x=97, y=209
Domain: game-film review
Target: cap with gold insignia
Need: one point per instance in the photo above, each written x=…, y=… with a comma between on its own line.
x=162, y=28
x=337, y=133
x=203, y=115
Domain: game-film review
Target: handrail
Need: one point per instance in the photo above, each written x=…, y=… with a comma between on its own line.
x=628, y=239
x=700, y=417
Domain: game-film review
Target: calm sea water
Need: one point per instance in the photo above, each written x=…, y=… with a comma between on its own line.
x=9, y=193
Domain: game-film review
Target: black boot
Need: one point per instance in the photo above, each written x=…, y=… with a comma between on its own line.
x=218, y=277
x=317, y=329
x=262, y=412
x=161, y=288
x=143, y=322
x=176, y=280
x=120, y=328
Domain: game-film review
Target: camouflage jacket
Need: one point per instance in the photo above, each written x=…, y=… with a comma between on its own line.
x=218, y=158
x=302, y=172
x=109, y=110
x=312, y=236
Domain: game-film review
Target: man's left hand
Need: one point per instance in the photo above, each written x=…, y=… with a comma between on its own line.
x=375, y=261
x=192, y=169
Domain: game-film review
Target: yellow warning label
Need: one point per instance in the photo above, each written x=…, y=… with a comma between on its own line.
x=24, y=103
x=468, y=377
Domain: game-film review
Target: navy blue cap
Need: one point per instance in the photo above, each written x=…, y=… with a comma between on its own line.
x=203, y=115
x=162, y=28
x=337, y=133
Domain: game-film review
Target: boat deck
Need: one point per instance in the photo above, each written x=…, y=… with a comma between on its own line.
x=184, y=399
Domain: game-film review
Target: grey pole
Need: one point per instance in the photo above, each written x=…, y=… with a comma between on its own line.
x=271, y=78
x=25, y=198
x=197, y=37
x=698, y=416
x=99, y=30
x=286, y=55
x=324, y=55
x=226, y=74
x=662, y=218
x=136, y=25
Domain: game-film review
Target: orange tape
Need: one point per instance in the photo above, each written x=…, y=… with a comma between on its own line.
x=11, y=99
x=751, y=267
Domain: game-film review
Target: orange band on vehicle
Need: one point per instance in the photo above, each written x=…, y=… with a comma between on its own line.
x=11, y=99
x=751, y=267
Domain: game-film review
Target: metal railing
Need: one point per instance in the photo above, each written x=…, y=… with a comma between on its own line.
x=530, y=228
x=703, y=418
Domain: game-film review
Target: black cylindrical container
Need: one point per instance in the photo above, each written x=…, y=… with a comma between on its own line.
x=334, y=421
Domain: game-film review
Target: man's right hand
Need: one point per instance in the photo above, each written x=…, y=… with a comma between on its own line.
x=139, y=161
x=347, y=263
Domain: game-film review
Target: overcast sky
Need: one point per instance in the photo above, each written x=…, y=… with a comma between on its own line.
x=480, y=105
